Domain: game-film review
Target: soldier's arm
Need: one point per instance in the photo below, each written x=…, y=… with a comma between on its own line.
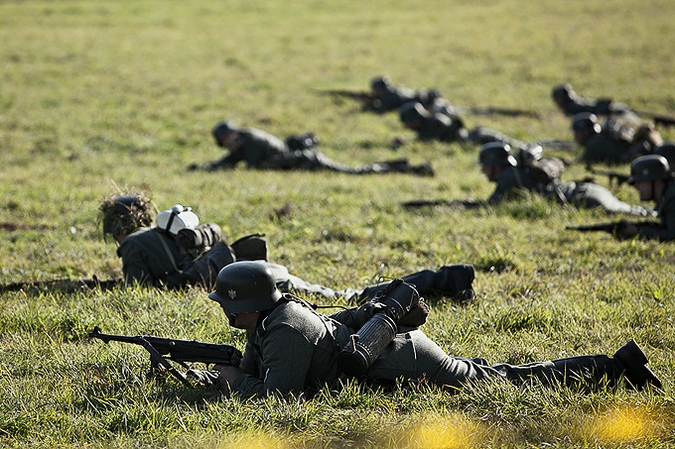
x=665, y=232
x=286, y=357
x=134, y=264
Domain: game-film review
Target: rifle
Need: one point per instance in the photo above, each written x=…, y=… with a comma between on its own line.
x=489, y=110
x=180, y=351
x=363, y=97
x=64, y=285
x=659, y=119
x=453, y=204
x=620, y=178
x=613, y=228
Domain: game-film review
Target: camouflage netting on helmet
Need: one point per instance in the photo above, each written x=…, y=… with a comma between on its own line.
x=121, y=214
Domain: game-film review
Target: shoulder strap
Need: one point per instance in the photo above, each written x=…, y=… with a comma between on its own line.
x=167, y=250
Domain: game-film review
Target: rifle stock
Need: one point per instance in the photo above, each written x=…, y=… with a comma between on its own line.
x=619, y=178
x=65, y=285
x=489, y=110
x=613, y=228
x=600, y=227
x=659, y=119
x=180, y=351
x=454, y=204
x=364, y=97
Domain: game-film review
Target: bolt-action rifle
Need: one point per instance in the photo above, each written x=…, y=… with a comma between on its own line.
x=490, y=110
x=453, y=204
x=659, y=119
x=362, y=96
x=614, y=177
x=65, y=285
x=180, y=351
x=368, y=99
x=613, y=228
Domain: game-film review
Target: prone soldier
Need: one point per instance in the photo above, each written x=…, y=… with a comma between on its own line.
x=260, y=149
x=570, y=103
x=614, y=142
x=293, y=350
x=178, y=252
x=516, y=173
x=652, y=177
x=445, y=125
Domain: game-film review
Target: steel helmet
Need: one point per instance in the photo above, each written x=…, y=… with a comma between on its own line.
x=667, y=150
x=124, y=213
x=380, y=82
x=411, y=111
x=586, y=121
x=178, y=217
x=244, y=287
x=496, y=154
x=652, y=167
x=223, y=128
x=563, y=92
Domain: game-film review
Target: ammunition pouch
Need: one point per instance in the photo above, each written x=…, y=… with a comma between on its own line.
x=251, y=247
x=304, y=141
x=204, y=271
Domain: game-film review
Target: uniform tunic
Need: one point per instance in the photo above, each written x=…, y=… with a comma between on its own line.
x=666, y=214
x=602, y=148
x=581, y=194
x=152, y=257
x=260, y=149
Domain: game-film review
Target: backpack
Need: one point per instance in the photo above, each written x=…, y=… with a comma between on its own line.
x=251, y=247
x=304, y=141
x=544, y=170
x=621, y=128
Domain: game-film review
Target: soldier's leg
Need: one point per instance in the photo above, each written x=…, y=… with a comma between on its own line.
x=568, y=371
x=592, y=195
x=412, y=355
x=450, y=281
x=289, y=283
x=629, y=363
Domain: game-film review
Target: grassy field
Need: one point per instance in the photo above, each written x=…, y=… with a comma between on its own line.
x=103, y=94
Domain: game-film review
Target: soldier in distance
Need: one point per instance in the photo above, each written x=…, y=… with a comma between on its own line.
x=652, y=177
x=177, y=252
x=616, y=141
x=527, y=171
x=262, y=150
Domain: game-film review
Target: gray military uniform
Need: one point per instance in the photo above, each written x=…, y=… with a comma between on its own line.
x=151, y=256
x=602, y=148
x=666, y=214
x=441, y=127
x=260, y=149
x=294, y=350
x=581, y=194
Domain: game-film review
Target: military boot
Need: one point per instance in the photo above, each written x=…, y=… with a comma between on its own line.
x=633, y=362
x=450, y=281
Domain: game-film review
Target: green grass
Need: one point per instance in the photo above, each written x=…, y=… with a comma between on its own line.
x=103, y=94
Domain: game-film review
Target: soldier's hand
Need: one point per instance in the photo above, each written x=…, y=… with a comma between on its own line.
x=626, y=230
x=228, y=374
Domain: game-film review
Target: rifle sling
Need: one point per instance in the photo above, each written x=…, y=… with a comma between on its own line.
x=168, y=252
